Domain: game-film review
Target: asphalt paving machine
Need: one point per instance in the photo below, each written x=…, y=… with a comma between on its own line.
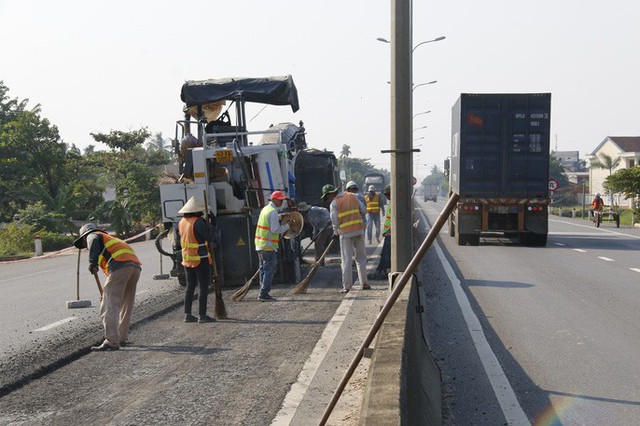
x=238, y=169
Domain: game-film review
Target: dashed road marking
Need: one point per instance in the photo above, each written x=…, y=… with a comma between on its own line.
x=635, y=269
x=580, y=250
x=608, y=259
x=560, y=244
x=55, y=324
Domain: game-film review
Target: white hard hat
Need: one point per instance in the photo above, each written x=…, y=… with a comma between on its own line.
x=351, y=184
x=372, y=188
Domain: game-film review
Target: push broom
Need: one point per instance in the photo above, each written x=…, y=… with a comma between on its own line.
x=303, y=285
x=219, y=309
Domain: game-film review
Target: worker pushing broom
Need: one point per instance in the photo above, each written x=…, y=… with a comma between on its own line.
x=270, y=230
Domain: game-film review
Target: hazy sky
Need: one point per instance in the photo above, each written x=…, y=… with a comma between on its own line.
x=119, y=65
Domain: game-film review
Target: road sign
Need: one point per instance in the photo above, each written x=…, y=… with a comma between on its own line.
x=553, y=185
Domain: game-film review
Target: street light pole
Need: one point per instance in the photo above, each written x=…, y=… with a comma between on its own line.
x=401, y=119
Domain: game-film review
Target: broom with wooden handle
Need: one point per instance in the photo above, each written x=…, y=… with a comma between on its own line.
x=313, y=240
x=242, y=291
x=219, y=309
x=303, y=285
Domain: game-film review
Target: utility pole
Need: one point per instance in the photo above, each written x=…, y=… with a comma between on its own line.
x=401, y=135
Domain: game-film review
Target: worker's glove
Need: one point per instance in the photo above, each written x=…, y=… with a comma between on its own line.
x=93, y=269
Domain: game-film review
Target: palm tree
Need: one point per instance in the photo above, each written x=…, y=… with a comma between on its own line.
x=346, y=151
x=607, y=163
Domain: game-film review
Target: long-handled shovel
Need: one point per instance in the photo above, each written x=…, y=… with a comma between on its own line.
x=95, y=274
x=303, y=285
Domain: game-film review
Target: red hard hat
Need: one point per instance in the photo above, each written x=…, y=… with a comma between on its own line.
x=278, y=195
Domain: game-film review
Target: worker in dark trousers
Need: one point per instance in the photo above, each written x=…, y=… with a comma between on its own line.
x=122, y=267
x=320, y=221
x=385, y=253
x=196, y=258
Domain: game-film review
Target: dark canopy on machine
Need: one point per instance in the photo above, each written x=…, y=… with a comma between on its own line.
x=270, y=90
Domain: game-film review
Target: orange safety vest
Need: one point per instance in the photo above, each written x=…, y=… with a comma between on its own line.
x=373, y=203
x=349, y=217
x=192, y=250
x=115, y=250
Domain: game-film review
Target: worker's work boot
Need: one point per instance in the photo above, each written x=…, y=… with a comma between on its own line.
x=205, y=318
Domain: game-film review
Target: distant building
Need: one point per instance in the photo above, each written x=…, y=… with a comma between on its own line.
x=627, y=148
x=570, y=160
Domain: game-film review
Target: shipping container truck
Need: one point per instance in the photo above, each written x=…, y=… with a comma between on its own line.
x=500, y=167
x=431, y=191
x=375, y=179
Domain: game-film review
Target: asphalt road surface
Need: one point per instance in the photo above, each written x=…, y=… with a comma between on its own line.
x=556, y=338
x=268, y=362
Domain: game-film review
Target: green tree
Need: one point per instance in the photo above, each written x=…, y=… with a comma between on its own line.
x=346, y=151
x=32, y=161
x=625, y=181
x=608, y=163
x=122, y=141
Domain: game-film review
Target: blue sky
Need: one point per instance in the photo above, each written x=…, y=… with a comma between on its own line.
x=101, y=66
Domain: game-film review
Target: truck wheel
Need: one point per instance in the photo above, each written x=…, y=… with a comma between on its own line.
x=474, y=240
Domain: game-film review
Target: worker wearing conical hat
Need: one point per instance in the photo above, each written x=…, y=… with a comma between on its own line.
x=196, y=257
x=122, y=267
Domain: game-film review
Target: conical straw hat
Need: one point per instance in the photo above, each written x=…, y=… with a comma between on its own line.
x=194, y=205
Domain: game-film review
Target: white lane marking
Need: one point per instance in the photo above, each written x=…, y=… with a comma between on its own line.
x=593, y=228
x=32, y=275
x=501, y=387
x=560, y=244
x=606, y=259
x=635, y=269
x=580, y=250
x=299, y=388
x=55, y=324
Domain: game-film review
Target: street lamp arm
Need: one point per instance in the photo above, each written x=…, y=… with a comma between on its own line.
x=425, y=42
x=420, y=113
x=423, y=84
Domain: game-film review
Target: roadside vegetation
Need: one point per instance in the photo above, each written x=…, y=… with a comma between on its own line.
x=47, y=185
